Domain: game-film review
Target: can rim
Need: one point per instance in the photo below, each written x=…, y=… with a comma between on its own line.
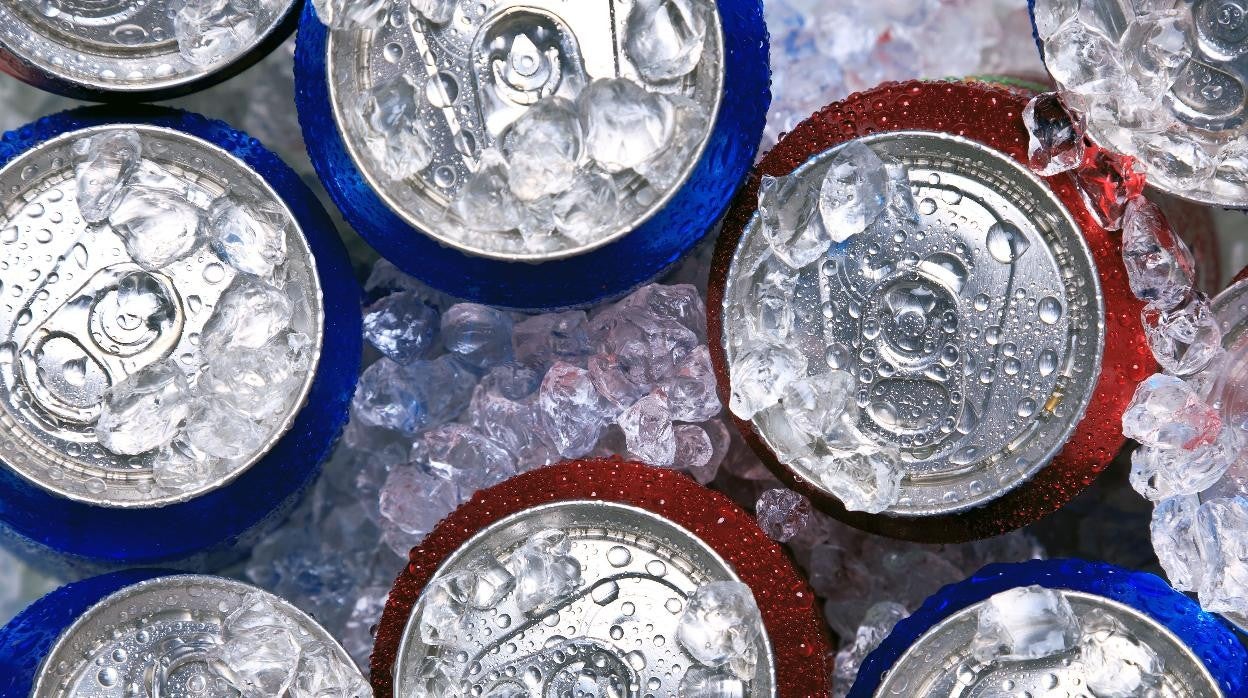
x=790, y=614
x=991, y=116
x=1208, y=637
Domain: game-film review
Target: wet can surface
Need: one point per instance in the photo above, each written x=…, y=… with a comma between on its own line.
x=144, y=633
x=935, y=650
x=142, y=50
x=991, y=348
x=118, y=446
x=643, y=564
x=471, y=80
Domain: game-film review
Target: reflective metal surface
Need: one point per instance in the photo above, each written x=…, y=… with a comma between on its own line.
x=153, y=640
x=470, y=100
x=941, y=665
x=976, y=349
x=637, y=570
x=63, y=341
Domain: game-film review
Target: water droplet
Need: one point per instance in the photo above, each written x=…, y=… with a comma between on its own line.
x=617, y=632
x=393, y=52
x=837, y=356
x=1006, y=243
x=108, y=677
x=656, y=568
x=952, y=195
x=1046, y=362
x=606, y=593
x=214, y=273
x=9, y=235
x=79, y=255
x=927, y=206
x=43, y=236
x=1026, y=407
x=1049, y=310
x=442, y=90
x=619, y=556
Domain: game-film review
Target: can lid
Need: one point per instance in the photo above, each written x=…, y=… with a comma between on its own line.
x=1099, y=615
x=139, y=364
x=109, y=50
x=972, y=347
x=1165, y=87
x=162, y=636
x=647, y=545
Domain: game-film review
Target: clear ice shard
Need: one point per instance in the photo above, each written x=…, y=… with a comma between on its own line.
x=544, y=149
x=260, y=648
x=463, y=455
x=625, y=125
x=1116, y=664
x=478, y=334
x=220, y=429
x=720, y=627
x=589, y=206
x=789, y=207
x=544, y=572
x=1055, y=143
x=444, y=609
x=401, y=326
x=664, y=38
x=249, y=314
x=761, y=373
x=647, y=427
x=573, y=411
x=412, y=398
x=855, y=191
x=1158, y=472
x=782, y=514
x=1025, y=623
x=103, y=164
x=1184, y=339
x=211, y=31
x=258, y=382
x=486, y=203
x=1160, y=267
x=1174, y=540
x=249, y=235
x=145, y=411
x=1167, y=412
x=362, y=15
x=157, y=226
x=397, y=136
x=1221, y=526
x=415, y=500
x=181, y=468
x=867, y=479
x=322, y=674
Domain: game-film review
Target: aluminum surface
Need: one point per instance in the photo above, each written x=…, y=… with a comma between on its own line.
x=152, y=639
x=637, y=570
x=982, y=382
x=940, y=663
x=62, y=343
x=116, y=46
x=469, y=103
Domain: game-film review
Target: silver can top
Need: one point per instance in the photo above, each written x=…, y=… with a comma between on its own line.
x=120, y=46
x=180, y=636
x=942, y=662
x=616, y=631
x=138, y=365
x=969, y=346
x=455, y=87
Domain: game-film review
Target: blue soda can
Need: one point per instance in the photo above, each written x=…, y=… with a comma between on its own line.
x=1057, y=627
x=149, y=633
x=138, y=51
x=179, y=339
x=539, y=154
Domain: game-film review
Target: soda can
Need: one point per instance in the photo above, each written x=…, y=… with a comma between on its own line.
x=138, y=51
x=462, y=198
x=1101, y=614
x=180, y=337
x=1165, y=87
x=594, y=576
x=151, y=633
x=986, y=355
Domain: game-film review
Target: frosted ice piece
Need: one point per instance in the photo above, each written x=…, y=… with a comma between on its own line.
x=479, y=334
x=401, y=326
x=664, y=171
x=180, y=467
x=102, y=165
x=211, y=31
x=248, y=235
x=790, y=212
x=1085, y=63
x=542, y=340
x=647, y=427
x=868, y=479
x=1055, y=141
x=437, y=678
x=145, y=411
x=544, y=571
x=854, y=192
x=664, y=38
x=516, y=425
x=1025, y=623
x=761, y=373
x=416, y=500
x=1158, y=473
x=876, y=625
x=691, y=392
x=694, y=451
x=436, y=11
x=444, y=609
x=1221, y=526
x=587, y=207
x=1116, y=664
x=485, y=202
x=396, y=134
x=322, y=674
x=705, y=682
x=1175, y=158
x=624, y=124
x=361, y=15
x=157, y=226
x=1051, y=14
x=260, y=648
x=471, y=460
x=543, y=149
x=218, y=428
x=1160, y=267
x=782, y=514
x=1155, y=45
x=258, y=382
x=490, y=582
x=1174, y=540
x=412, y=398
x=249, y=314
x=1166, y=412
x=720, y=627
x=572, y=410
x=1183, y=339
x=680, y=303
x=513, y=381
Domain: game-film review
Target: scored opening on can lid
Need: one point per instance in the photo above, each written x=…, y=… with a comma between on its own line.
x=78, y=316
x=110, y=47
x=157, y=636
x=475, y=74
x=637, y=572
x=974, y=348
x=941, y=662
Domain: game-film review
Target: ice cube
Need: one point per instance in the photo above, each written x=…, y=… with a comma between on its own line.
x=761, y=373
x=542, y=340
x=1025, y=623
x=1222, y=538
x=401, y=326
x=1116, y=664
x=248, y=235
x=412, y=398
x=436, y=11
x=1158, y=472
x=486, y=203
x=790, y=214
x=705, y=682
x=587, y=207
x=180, y=467
x=144, y=411
x=211, y=31
x=157, y=226
x=322, y=674
x=1174, y=540
x=782, y=514
x=1051, y=14
x=879, y=621
x=647, y=427
x=249, y=314
x=1084, y=62
x=1055, y=142
x=695, y=452
x=1160, y=267
x=544, y=571
x=479, y=334
x=1155, y=45
x=625, y=125
x=260, y=648
x=572, y=410
x=515, y=424
x=462, y=454
x=218, y=428
x=103, y=163
x=1184, y=339
x=664, y=38
x=720, y=627
x=691, y=392
x=1167, y=412
x=1175, y=158
x=397, y=134
x=444, y=609
x=664, y=171
x=544, y=149
x=855, y=191
x=490, y=582
x=680, y=303
x=868, y=479
x=258, y=382
x=360, y=15
x=415, y=500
